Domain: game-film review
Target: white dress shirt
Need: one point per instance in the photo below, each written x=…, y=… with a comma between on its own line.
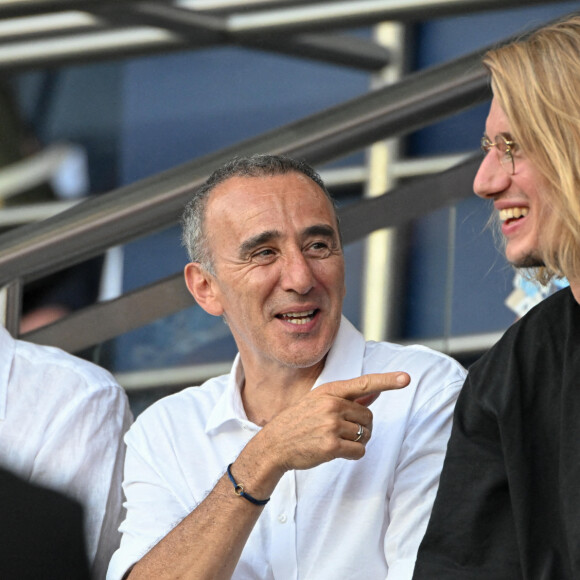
x=62, y=421
x=343, y=519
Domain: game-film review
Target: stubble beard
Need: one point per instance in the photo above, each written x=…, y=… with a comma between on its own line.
x=529, y=261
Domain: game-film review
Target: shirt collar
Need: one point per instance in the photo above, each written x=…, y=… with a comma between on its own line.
x=345, y=357
x=344, y=361
x=7, y=348
x=229, y=406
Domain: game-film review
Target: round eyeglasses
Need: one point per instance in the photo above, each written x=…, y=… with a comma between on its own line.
x=504, y=147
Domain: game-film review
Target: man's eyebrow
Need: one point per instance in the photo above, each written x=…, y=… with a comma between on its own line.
x=265, y=237
x=257, y=240
x=321, y=230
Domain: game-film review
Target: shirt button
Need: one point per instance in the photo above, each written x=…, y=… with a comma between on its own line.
x=282, y=518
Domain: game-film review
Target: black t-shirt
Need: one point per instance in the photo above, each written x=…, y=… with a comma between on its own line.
x=41, y=533
x=508, y=505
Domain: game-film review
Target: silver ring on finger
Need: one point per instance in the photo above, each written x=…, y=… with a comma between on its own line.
x=359, y=433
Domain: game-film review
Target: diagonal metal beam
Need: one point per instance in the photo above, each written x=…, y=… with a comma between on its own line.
x=106, y=320
x=122, y=30
x=359, y=12
x=409, y=201
x=47, y=26
x=17, y=8
x=188, y=23
x=97, y=45
x=198, y=29
x=263, y=19
x=229, y=6
x=342, y=50
x=140, y=208
x=338, y=14
x=101, y=322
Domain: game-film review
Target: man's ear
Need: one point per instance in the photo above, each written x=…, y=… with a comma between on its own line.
x=202, y=286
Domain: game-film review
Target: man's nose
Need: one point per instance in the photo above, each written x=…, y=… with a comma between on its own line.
x=491, y=178
x=297, y=275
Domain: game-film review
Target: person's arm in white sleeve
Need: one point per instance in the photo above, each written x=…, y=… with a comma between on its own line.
x=209, y=540
x=417, y=479
x=86, y=443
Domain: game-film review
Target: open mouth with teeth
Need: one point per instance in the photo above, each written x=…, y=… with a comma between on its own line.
x=513, y=213
x=298, y=317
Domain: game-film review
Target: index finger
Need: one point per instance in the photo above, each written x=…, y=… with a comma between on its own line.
x=364, y=385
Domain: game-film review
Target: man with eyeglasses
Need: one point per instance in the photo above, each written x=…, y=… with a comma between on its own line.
x=508, y=505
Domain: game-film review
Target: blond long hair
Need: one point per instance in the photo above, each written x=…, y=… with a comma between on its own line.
x=537, y=84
